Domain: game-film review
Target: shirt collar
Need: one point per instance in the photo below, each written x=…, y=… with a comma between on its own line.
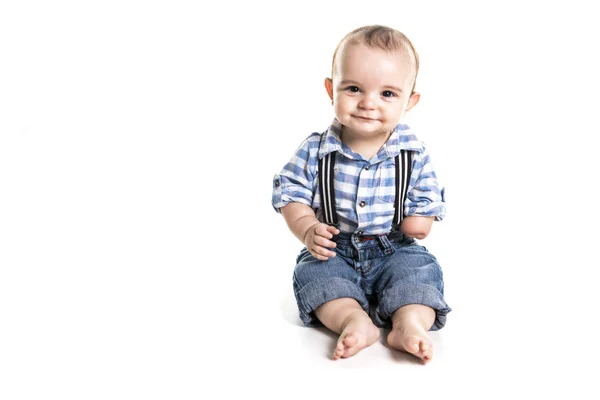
x=401, y=139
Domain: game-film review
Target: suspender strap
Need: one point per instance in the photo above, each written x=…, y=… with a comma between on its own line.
x=403, y=170
x=327, y=188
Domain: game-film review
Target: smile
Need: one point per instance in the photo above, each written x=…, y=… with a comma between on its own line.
x=364, y=118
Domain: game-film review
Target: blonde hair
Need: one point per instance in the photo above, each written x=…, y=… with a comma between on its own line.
x=381, y=37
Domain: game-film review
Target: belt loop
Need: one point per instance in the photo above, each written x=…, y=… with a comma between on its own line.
x=386, y=244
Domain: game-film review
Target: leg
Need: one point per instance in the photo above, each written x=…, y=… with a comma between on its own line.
x=411, y=290
x=410, y=325
x=346, y=317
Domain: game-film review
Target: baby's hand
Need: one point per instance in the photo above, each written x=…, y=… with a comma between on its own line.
x=317, y=240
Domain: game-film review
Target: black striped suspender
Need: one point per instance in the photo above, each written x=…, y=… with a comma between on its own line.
x=403, y=170
x=403, y=163
x=327, y=188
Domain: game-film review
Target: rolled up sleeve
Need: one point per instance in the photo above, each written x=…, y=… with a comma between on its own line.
x=426, y=196
x=287, y=191
x=295, y=182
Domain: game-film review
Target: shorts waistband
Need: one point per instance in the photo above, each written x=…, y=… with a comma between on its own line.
x=355, y=237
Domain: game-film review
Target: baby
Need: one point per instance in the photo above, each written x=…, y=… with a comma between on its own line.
x=358, y=196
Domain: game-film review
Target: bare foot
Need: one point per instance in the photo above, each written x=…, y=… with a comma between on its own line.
x=412, y=339
x=359, y=332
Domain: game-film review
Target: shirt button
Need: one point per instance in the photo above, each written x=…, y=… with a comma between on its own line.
x=359, y=233
x=362, y=203
x=368, y=167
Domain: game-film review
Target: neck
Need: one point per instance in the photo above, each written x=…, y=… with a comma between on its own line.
x=366, y=147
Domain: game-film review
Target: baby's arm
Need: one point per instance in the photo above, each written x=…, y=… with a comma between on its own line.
x=417, y=227
x=302, y=221
x=425, y=199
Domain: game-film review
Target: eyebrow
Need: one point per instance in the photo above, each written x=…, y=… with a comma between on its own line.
x=347, y=82
x=394, y=88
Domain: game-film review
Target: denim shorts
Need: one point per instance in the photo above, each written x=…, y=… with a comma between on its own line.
x=382, y=273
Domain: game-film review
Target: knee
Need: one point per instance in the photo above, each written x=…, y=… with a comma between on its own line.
x=306, y=272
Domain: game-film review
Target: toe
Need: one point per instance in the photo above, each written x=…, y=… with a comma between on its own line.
x=412, y=345
x=425, y=346
x=350, y=340
x=341, y=348
x=337, y=354
x=426, y=357
x=426, y=351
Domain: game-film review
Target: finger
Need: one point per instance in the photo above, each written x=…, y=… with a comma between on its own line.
x=322, y=231
x=324, y=252
x=323, y=242
x=333, y=230
x=327, y=231
x=319, y=257
x=314, y=250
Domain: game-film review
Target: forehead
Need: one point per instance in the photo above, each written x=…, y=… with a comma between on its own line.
x=356, y=60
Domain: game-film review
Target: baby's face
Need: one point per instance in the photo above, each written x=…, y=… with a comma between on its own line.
x=371, y=89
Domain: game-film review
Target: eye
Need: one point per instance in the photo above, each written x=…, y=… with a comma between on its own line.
x=353, y=89
x=388, y=93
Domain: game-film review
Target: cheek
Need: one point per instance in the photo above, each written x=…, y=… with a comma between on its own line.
x=394, y=111
x=342, y=103
x=340, y=111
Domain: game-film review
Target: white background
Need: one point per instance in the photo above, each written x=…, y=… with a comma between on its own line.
x=139, y=253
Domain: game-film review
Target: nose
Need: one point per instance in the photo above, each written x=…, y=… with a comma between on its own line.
x=367, y=102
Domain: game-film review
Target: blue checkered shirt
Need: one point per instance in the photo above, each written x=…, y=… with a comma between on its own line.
x=358, y=180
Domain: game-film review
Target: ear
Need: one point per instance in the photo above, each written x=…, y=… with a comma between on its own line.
x=412, y=101
x=329, y=87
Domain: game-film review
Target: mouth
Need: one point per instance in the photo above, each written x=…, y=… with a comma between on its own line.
x=364, y=118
